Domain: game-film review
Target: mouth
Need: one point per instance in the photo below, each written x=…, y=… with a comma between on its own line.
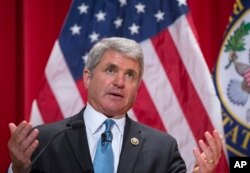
x=116, y=94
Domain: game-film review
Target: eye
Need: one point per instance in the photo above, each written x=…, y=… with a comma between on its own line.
x=110, y=70
x=131, y=75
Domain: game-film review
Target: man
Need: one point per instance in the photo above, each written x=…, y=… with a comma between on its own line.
x=112, y=77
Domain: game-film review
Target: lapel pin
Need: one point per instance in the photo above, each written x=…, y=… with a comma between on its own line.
x=134, y=141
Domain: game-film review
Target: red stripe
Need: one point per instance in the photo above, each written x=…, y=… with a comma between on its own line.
x=145, y=110
x=183, y=87
x=191, y=24
x=47, y=104
x=82, y=89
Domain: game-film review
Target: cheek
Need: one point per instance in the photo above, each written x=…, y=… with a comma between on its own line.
x=132, y=93
x=98, y=86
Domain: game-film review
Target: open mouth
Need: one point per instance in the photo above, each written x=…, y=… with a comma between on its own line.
x=116, y=94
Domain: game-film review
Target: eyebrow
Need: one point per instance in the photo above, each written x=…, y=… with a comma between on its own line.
x=111, y=65
x=127, y=70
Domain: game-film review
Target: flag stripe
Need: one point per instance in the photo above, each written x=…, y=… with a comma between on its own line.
x=191, y=25
x=36, y=118
x=47, y=104
x=132, y=115
x=62, y=83
x=82, y=90
x=145, y=110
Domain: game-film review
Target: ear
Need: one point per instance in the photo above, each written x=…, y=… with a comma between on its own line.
x=86, y=78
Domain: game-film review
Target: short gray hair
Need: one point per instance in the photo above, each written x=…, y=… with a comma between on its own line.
x=124, y=46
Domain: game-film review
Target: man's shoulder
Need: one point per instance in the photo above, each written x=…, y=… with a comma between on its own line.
x=150, y=132
x=51, y=127
x=55, y=127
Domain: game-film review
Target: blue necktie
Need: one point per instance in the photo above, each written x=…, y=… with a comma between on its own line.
x=104, y=156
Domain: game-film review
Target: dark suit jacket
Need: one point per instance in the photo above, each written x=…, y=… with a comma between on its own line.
x=157, y=152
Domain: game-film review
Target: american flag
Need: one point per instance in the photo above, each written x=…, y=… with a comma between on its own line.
x=177, y=93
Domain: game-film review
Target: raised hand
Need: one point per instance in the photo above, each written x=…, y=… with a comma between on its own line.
x=22, y=144
x=211, y=153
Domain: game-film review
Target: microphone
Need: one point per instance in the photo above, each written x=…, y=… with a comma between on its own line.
x=70, y=126
x=104, y=137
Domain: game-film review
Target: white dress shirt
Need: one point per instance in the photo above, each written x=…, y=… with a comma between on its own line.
x=94, y=127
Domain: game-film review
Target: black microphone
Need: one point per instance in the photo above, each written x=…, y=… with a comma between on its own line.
x=105, y=138
x=70, y=126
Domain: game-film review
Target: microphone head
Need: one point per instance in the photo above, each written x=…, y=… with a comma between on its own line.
x=104, y=136
x=76, y=125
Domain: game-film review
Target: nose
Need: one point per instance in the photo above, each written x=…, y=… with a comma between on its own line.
x=119, y=81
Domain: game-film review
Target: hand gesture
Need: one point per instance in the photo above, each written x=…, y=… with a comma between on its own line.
x=22, y=144
x=211, y=153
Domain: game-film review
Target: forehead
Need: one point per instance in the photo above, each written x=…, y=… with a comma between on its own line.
x=119, y=59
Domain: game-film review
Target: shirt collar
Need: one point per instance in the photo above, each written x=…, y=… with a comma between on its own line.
x=94, y=120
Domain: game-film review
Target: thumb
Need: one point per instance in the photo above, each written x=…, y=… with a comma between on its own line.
x=12, y=127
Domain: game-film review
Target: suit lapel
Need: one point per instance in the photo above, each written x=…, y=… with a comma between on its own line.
x=130, y=149
x=78, y=141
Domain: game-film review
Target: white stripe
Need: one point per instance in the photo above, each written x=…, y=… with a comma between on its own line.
x=163, y=97
x=197, y=69
x=131, y=114
x=62, y=83
x=35, y=117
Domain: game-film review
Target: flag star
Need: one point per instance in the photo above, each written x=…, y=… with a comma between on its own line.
x=123, y=3
x=75, y=29
x=83, y=8
x=118, y=22
x=182, y=2
x=100, y=16
x=85, y=58
x=94, y=37
x=140, y=8
x=134, y=29
x=159, y=15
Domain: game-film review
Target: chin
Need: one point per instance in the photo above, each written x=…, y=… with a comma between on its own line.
x=114, y=111
x=114, y=108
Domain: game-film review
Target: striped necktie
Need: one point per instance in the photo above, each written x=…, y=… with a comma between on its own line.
x=104, y=156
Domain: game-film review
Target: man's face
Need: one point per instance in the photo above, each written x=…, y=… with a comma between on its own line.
x=112, y=87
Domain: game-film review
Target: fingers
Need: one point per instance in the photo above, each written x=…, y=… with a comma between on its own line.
x=22, y=131
x=211, y=152
x=198, y=156
x=12, y=128
x=30, y=144
x=25, y=139
x=208, y=150
x=214, y=148
x=22, y=144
